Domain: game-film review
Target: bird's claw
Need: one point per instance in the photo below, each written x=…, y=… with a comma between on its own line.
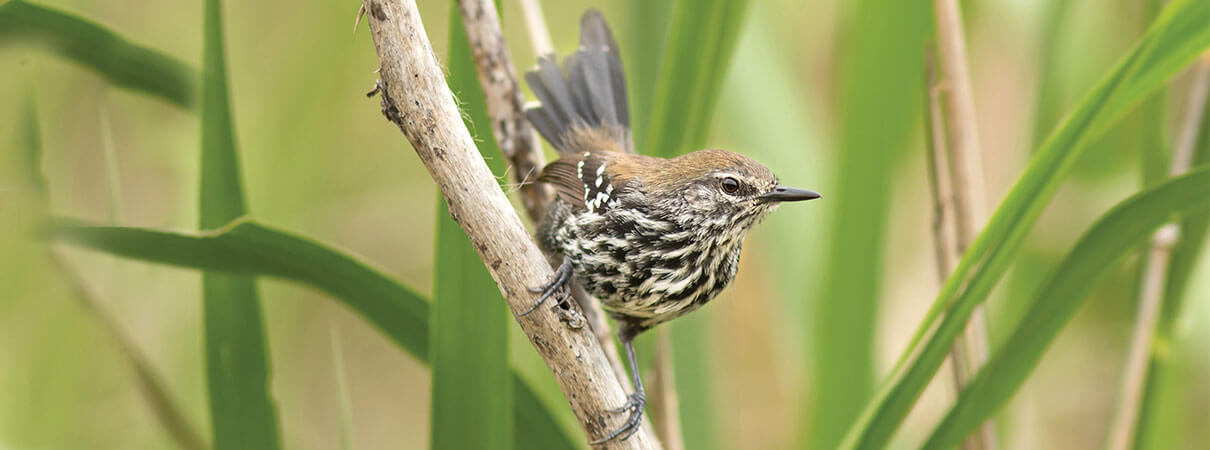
x=559, y=283
x=634, y=404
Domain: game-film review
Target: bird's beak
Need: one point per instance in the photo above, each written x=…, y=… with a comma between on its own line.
x=789, y=194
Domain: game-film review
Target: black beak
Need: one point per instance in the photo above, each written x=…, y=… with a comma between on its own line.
x=789, y=194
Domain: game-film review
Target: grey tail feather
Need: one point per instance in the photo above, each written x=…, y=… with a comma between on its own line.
x=590, y=91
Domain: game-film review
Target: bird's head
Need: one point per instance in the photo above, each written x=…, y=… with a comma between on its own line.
x=717, y=187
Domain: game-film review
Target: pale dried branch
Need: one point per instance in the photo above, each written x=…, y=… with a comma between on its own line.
x=945, y=223
x=965, y=176
x=963, y=134
x=945, y=237
x=1155, y=273
x=538, y=35
x=504, y=103
x=517, y=138
x=416, y=98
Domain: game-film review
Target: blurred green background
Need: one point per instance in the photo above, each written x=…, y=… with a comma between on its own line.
x=807, y=84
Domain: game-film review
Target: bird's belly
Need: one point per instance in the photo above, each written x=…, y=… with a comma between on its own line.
x=652, y=286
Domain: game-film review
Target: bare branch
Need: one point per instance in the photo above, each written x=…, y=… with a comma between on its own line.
x=945, y=237
x=498, y=77
x=1155, y=273
x=416, y=98
x=504, y=106
x=965, y=158
x=966, y=175
x=538, y=35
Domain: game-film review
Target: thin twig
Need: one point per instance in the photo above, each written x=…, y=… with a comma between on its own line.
x=503, y=97
x=1151, y=289
x=966, y=175
x=416, y=98
x=539, y=37
x=963, y=135
x=945, y=242
x=945, y=233
x=517, y=139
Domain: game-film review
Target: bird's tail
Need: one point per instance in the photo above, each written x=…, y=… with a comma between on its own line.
x=589, y=92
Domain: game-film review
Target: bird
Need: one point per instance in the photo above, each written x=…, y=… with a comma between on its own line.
x=651, y=238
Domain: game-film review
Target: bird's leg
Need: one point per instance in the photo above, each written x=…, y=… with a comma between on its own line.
x=559, y=283
x=636, y=401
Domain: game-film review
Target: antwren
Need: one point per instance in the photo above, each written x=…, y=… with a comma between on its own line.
x=651, y=238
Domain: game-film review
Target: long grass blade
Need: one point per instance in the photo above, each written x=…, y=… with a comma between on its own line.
x=1153, y=121
x=648, y=23
x=1177, y=37
x=247, y=248
x=469, y=322
x=242, y=413
x=1116, y=234
x=111, y=55
x=880, y=77
x=1048, y=103
x=696, y=58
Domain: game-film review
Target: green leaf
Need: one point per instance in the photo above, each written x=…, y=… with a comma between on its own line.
x=703, y=38
x=468, y=330
x=248, y=248
x=242, y=413
x=111, y=55
x=1112, y=237
x=1176, y=38
x=648, y=24
x=880, y=78
x=1047, y=107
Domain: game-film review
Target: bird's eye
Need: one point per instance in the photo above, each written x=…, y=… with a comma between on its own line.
x=730, y=185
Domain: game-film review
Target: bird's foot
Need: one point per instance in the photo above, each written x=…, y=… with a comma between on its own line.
x=560, y=283
x=634, y=404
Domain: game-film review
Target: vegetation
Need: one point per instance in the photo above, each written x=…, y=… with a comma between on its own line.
x=299, y=182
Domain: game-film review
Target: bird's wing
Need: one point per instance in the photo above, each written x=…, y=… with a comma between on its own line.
x=588, y=180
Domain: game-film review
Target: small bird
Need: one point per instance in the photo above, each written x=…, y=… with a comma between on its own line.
x=653, y=239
